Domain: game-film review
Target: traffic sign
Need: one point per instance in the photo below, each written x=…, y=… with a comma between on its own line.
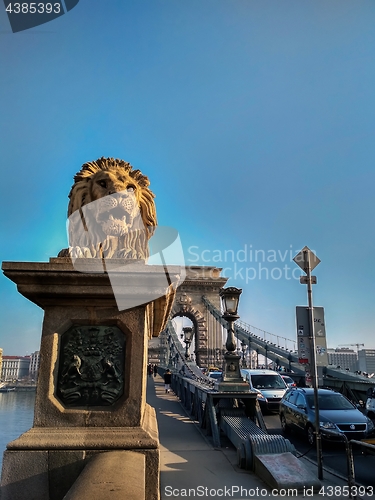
x=304, y=335
x=304, y=256
x=304, y=280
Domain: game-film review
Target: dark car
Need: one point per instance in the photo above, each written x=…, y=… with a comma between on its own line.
x=336, y=413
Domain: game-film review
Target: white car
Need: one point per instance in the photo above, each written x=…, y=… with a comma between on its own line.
x=269, y=385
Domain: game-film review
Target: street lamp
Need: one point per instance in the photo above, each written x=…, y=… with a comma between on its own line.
x=230, y=297
x=243, y=347
x=188, y=337
x=231, y=377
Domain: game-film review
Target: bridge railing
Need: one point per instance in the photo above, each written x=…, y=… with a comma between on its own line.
x=349, y=443
x=204, y=404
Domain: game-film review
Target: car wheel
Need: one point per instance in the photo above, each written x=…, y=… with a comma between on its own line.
x=310, y=435
x=284, y=426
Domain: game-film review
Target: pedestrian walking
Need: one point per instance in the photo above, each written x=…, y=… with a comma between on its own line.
x=155, y=370
x=167, y=380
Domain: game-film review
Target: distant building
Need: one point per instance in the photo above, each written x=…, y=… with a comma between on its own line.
x=344, y=357
x=1, y=360
x=15, y=367
x=34, y=364
x=366, y=361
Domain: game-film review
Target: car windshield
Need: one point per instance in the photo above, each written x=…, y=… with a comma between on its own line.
x=330, y=402
x=267, y=382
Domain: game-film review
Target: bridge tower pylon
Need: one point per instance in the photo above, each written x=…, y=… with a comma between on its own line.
x=202, y=281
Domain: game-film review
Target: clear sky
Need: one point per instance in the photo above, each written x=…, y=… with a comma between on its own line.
x=253, y=119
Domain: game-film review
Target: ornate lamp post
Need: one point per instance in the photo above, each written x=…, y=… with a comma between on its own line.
x=243, y=348
x=231, y=378
x=188, y=337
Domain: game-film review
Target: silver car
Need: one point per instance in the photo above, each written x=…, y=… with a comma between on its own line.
x=269, y=385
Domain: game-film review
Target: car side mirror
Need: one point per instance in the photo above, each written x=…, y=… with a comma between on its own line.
x=301, y=407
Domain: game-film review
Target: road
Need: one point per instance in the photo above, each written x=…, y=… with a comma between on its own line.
x=334, y=455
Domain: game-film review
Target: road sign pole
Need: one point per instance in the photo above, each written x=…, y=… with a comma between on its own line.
x=318, y=436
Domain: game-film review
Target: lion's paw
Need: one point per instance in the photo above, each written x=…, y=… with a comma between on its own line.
x=80, y=253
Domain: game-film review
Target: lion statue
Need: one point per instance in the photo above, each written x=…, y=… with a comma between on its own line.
x=111, y=212
x=112, y=215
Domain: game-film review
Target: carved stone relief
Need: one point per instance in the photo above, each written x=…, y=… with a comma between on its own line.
x=91, y=366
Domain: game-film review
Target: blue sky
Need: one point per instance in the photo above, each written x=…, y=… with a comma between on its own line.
x=253, y=119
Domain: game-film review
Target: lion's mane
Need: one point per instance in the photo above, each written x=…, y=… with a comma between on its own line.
x=86, y=237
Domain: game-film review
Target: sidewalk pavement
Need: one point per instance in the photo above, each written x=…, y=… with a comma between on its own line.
x=190, y=467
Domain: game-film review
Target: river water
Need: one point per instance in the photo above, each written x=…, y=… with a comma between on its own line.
x=16, y=416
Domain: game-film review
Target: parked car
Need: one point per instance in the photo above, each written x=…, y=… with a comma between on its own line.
x=288, y=380
x=269, y=385
x=336, y=413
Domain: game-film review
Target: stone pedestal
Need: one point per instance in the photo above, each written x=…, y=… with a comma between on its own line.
x=91, y=393
x=232, y=381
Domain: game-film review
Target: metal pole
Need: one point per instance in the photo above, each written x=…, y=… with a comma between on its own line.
x=318, y=436
x=250, y=356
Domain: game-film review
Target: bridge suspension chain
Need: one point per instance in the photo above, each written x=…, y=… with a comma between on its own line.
x=272, y=351
x=250, y=328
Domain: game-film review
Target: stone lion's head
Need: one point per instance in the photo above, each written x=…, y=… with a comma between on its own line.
x=111, y=211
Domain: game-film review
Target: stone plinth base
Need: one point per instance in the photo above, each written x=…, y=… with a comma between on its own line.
x=116, y=475
x=43, y=463
x=239, y=386
x=91, y=392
